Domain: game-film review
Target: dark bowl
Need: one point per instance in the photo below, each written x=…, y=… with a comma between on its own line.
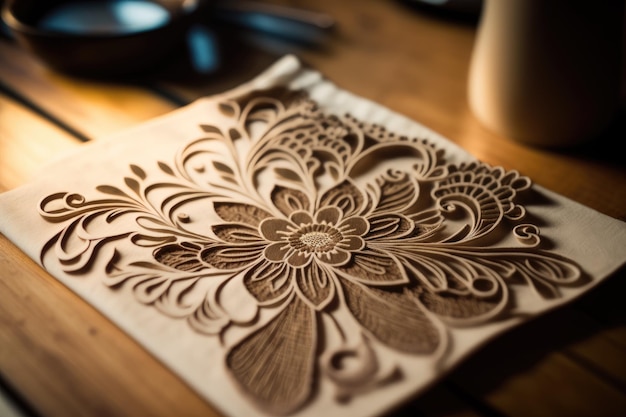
x=96, y=53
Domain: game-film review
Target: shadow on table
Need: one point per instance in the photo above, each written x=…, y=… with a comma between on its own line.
x=455, y=11
x=217, y=57
x=607, y=146
x=531, y=347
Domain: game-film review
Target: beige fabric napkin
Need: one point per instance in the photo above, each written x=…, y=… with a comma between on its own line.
x=289, y=248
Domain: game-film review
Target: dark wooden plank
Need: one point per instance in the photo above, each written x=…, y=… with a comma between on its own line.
x=27, y=141
x=91, y=108
x=536, y=369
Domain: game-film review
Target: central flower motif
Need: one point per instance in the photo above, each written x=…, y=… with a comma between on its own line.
x=327, y=237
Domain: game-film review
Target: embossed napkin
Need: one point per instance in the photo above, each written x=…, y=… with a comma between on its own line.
x=289, y=248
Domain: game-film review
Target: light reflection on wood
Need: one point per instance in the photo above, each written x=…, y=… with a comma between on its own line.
x=26, y=143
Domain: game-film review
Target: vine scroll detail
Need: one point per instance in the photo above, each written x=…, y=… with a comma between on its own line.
x=334, y=225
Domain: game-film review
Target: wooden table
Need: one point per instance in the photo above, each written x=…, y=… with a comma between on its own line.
x=60, y=357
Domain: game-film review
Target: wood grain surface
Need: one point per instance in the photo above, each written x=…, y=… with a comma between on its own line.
x=60, y=357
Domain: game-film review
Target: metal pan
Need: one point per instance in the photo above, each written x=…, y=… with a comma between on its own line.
x=121, y=37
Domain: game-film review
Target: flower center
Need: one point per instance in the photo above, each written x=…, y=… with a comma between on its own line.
x=315, y=238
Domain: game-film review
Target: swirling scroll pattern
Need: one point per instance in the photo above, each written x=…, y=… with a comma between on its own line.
x=308, y=215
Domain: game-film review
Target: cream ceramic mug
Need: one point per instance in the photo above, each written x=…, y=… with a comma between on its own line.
x=547, y=72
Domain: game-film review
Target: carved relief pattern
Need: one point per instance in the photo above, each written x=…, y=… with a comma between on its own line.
x=329, y=225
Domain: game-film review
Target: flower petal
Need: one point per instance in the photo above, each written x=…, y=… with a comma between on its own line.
x=240, y=213
x=393, y=317
x=345, y=196
x=301, y=217
x=274, y=229
x=277, y=252
x=376, y=268
x=288, y=200
x=462, y=309
x=351, y=243
x=236, y=233
x=274, y=366
x=315, y=285
x=182, y=257
x=269, y=282
x=328, y=215
x=354, y=226
x=397, y=193
x=389, y=226
x=334, y=257
x=299, y=259
x=231, y=257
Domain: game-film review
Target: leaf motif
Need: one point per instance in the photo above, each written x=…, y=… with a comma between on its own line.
x=441, y=269
x=179, y=257
x=543, y=271
x=462, y=309
x=240, y=213
x=269, y=282
x=225, y=172
x=155, y=225
x=289, y=200
x=208, y=318
x=150, y=241
x=227, y=109
x=138, y=171
x=132, y=184
x=274, y=366
x=165, y=168
x=234, y=134
x=315, y=285
x=375, y=268
x=109, y=189
x=177, y=300
x=397, y=193
x=150, y=288
x=427, y=219
x=288, y=175
x=393, y=317
x=223, y=168
x=228, y=257
x=346, y=196
x=215, y=129
x=236, y=233
x=389, y=226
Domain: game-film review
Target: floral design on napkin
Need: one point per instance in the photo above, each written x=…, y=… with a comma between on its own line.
x=333, y=225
